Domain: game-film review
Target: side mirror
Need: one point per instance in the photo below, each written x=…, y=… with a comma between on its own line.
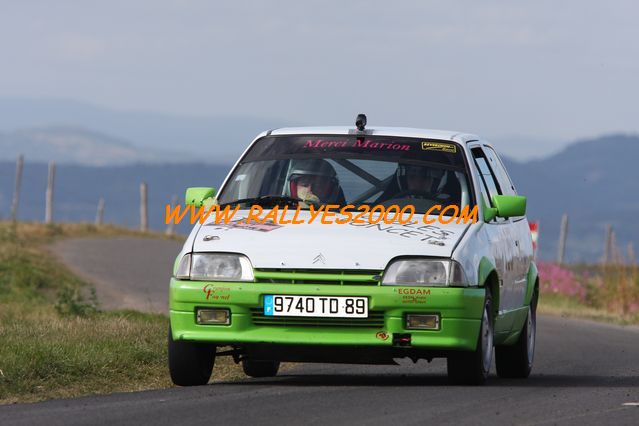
x=489, y=212
x=510, y=205
x=195, y=196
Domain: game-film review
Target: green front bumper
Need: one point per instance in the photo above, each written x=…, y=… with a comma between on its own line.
x=460, y=311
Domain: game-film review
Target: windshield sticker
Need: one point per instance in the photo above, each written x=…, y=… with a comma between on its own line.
x=357, y=143
x=241, y=224
x=411, y=230
x=438, y=146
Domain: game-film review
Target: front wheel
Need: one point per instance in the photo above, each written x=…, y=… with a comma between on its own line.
x=190, y=363
x=472, y=368
x=516, y=361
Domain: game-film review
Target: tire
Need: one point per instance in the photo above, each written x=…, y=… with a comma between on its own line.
x=190, y=363
x=255, y=368
x=472, y=368
x=516, y=361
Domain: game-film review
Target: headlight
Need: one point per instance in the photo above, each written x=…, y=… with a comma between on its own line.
x=425, y=272
x=215, y=267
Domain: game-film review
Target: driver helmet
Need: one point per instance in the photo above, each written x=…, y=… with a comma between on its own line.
x=313, y=178
x=405, y=170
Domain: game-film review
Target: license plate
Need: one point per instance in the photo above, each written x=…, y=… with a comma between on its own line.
x=316, y=306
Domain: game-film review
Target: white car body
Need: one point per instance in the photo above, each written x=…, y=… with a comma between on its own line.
x=482, y=296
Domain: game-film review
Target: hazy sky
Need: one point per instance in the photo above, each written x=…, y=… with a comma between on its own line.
x=549, y=71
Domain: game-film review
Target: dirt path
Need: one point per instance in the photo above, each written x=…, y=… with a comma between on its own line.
x=128, y=272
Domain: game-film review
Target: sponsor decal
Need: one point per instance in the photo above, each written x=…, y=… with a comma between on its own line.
x=382, y=335
x=413, y=290
x=242, y=224
x=412, y=230
x=438, y=146
x=357, y=143
x=216, y=293
x=417, y=300
x=412, y=295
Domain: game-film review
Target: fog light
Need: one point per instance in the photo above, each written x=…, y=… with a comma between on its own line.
x=213, y=316
x=422, y=322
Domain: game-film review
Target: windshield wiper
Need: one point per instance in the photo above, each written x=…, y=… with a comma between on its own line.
x=267, y=200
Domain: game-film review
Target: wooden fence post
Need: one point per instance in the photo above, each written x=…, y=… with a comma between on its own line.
x=16, y=192
x=48, y=212
x=144, y=215
x=99, y=215
x=608, y=247
x=562, y=239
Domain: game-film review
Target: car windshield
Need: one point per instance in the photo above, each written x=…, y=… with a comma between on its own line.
x=351, y=169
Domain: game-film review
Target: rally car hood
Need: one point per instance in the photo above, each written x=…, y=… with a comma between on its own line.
x=327, y=246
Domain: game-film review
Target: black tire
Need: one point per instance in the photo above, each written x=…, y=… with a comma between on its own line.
x=472, y=368
x=190, y=363
x=516, y=361
x=255, y=368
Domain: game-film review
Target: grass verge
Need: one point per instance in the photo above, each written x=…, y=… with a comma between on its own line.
x=46, y=355
x=558, y=305
x=56, y=342
x=602, y=292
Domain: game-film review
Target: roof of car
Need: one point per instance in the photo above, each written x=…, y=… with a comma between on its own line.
x=381, y=131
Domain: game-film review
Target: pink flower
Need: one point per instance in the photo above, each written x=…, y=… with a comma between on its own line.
x=560, y=280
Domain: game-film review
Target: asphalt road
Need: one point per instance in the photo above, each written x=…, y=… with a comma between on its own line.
x=584, y=374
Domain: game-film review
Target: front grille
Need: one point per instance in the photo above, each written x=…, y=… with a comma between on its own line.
x=317, y=276
x=375, y=320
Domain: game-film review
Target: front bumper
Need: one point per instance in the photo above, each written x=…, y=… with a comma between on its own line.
x=460, y=311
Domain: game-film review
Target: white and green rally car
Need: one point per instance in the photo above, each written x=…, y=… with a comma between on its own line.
x=358, y=292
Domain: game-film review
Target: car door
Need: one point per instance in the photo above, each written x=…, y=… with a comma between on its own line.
x=499, y=235
x=520, y=232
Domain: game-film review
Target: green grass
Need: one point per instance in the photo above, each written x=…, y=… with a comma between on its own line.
x=559, y=305
x=55, y=342
x=45, y=355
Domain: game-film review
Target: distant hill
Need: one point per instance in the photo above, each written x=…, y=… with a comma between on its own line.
x=213, y=139
x=79, y=146
x=595, y=181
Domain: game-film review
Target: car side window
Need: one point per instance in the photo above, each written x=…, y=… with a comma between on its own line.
x=505, y=184
x=484, y=192
x=486, y=174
